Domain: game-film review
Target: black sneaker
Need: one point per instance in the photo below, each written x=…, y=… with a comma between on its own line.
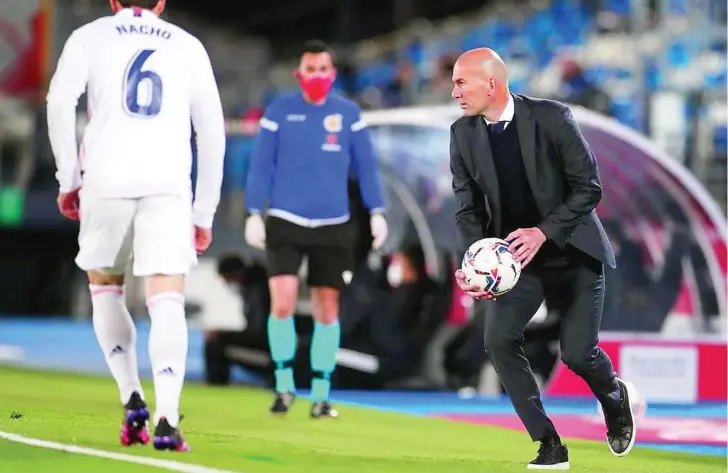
x=323, y=409
x=552, y=455
x=621, y=429
x=282, y=402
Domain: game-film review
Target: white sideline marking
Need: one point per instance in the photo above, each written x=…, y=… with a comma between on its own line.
x=159, y=463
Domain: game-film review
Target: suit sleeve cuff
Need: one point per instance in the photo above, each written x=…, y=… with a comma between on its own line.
x=552, y=233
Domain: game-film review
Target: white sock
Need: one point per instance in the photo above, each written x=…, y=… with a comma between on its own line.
x=168, y=353
x=116, y=334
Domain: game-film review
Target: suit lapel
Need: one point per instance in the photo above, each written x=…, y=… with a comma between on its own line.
x=527, y=139
x=483, y=159
x=484, y=156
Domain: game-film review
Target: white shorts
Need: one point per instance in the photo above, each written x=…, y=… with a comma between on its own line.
x=155, y=231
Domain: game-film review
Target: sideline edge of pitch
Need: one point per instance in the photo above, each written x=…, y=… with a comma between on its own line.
x=155, y=462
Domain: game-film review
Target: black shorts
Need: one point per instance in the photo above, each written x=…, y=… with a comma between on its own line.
x=329, y=249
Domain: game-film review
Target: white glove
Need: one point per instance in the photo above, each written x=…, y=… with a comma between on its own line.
x=379, y=230
x=255, y=231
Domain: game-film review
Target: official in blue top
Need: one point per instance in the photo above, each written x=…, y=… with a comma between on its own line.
x=307, y=144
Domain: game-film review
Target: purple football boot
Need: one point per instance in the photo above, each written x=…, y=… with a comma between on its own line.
x=167, y=437
x=136, y=418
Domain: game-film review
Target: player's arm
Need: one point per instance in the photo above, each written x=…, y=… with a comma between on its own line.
x=262, y=162
x=66, y=87
x=471, y=215
x=366, y=167
x=209, y=123
x=582, y=175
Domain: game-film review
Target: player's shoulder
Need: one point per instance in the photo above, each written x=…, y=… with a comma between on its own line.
x=282, y=103
x=543, y=107
x=90, y=30
x=182, y=34
x=285, y=98
x=462, y=121
x=345, y=104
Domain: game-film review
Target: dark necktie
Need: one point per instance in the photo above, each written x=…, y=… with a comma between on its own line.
x=497, y=127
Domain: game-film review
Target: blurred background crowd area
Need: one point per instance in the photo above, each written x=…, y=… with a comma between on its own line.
x=650, y=74
x=657, y=66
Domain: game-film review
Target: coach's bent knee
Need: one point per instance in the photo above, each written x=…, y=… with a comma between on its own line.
x=97, y=278
x=580, y=361
x=499, y=342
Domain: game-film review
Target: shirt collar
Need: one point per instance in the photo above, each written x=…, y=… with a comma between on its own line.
x=126, y=12
x=508, y=112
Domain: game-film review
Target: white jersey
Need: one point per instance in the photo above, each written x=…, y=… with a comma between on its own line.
x=147, y=81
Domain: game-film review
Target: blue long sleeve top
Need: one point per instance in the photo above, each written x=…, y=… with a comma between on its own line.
x=302, y=157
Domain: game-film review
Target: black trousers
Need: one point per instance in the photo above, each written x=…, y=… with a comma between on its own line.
x=578, y=280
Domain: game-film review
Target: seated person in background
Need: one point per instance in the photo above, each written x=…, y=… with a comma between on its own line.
x=251, y=282
x=639, y=297
x=394, y=318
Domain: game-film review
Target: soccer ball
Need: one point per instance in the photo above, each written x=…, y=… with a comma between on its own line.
x=490, y=265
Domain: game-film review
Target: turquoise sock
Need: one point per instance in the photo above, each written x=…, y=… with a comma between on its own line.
x=324, y=347
x=282, y=340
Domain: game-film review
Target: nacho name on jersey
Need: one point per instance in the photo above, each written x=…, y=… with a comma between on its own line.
x=143, y=30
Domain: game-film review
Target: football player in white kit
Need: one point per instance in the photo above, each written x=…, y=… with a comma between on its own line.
x=130, y=187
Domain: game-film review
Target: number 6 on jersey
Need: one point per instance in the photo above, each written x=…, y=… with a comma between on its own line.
x=134, y=78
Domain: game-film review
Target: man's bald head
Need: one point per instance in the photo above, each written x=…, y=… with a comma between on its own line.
x=481, y=81
x=484, y=61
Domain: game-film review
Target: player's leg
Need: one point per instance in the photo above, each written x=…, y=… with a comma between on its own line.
x=284, y=259
x=504, y=326
x=330, y=268
x=104, y=247
x=585, y=286
x=163, y=254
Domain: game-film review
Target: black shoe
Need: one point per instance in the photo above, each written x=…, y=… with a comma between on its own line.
x=621, y=429
x=552, y=455
x=282, y=402
x=323, y=409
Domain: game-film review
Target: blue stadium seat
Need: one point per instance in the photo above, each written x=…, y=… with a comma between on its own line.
x=625, y=111
x=476, y=38
x=539, y=24
x=678, y=54
x=414, y=53
x=653, y=76
x=678, y=7
x=720, y=138
x=716, y=80
x=535, y=40
x=375, y=75
x=620, y=7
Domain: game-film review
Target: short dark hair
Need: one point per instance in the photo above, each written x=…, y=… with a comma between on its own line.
x=316, y=46
x=138, y=3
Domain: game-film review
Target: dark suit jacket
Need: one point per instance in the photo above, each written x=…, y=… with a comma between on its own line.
x=562, y=172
